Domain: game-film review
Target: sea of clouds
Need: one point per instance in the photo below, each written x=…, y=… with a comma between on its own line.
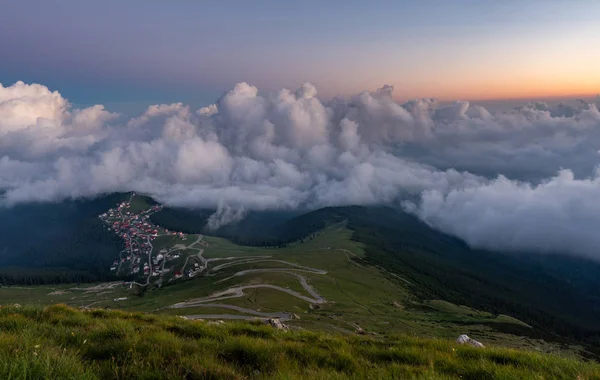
x=523, y=180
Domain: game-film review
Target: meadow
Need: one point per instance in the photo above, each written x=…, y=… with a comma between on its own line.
x=60, y=342
x=359, y=297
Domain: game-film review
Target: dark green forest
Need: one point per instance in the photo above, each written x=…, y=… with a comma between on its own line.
x=264, y=228
x=53, y=243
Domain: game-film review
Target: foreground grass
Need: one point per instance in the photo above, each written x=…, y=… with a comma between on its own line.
x=59, y=342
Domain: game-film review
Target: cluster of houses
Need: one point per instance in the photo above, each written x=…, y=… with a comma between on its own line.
x=138, y=232
x=192, y=272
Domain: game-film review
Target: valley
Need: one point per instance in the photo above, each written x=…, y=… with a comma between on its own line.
x=322, y=283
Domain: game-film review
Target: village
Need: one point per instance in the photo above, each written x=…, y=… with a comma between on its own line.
x=154, y=257
x=151, y=254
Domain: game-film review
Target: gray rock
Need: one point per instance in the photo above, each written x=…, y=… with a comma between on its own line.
x=464, y=339
x=276, y=323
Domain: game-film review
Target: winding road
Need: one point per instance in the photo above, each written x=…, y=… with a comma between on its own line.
x=254, y=313
x=238, y=291
x=310, y=294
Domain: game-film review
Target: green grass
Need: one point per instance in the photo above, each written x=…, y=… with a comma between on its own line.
x=455, y=309
x=508, y=319
x=357, y=295
x=139, y=204
x=59, y=342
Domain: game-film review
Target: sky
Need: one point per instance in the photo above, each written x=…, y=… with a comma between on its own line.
x=260, y=105
x=138, y=52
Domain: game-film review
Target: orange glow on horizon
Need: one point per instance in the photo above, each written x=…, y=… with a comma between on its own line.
x=560, y=66
x=508, y=92
x=486, y=92
x=478, y=89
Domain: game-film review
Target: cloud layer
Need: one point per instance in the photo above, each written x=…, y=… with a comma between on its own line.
x=289, y=149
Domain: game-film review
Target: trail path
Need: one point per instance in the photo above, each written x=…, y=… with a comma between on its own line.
x=238, y=291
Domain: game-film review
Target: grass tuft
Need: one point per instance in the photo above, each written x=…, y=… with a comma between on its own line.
x=59, y=342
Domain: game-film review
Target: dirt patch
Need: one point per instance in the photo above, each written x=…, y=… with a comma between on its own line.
x=58, y=293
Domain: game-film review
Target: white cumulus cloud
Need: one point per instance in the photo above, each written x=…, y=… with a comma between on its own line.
x=487, y=177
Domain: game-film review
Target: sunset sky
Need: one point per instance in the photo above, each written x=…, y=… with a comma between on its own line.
x=116, y=51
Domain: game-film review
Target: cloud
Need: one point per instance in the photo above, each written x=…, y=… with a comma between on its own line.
x=225, y=215
x=288, y=149
x=561, y=214
x=23, y=105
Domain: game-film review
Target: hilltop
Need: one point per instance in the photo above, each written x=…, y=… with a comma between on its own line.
x=59, y=342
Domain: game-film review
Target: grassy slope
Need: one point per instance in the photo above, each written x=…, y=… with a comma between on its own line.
x=357, y=295
x=556, y=294
x=61, y=342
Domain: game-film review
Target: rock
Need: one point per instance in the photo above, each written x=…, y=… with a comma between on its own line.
x=216, y=323
x=464, y=339
x=276, y=323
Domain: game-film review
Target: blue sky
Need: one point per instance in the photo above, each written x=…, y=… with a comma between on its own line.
x=138, y=52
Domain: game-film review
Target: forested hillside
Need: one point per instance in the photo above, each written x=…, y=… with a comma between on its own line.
x=556, y=294
x=258, y=228
x=56, y=242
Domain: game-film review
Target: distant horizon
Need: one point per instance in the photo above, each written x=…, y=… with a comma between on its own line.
x=138, y=105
